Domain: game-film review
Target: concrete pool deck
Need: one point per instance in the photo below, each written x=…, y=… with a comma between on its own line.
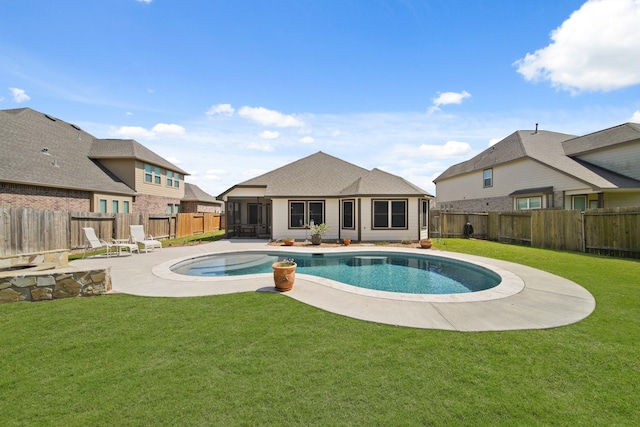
x=543, y=300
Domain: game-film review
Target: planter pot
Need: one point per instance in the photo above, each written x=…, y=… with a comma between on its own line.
x=346, y=242
x=316, y=239
x=289, y=242
x=284, y=275
x=425, y=244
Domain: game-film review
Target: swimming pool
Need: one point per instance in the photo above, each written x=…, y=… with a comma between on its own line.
x=381, y=271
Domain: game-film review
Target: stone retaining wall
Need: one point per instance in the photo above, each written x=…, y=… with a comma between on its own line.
x=49, y=285
x=48, y=277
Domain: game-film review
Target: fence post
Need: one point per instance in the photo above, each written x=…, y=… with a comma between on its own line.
x=582, y=228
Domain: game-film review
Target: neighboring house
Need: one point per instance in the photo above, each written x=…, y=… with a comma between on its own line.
x=47, y=163
x=541, y=169
x=365, y=205
x=196, y=200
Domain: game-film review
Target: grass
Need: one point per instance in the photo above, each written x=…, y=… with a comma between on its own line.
x=265, y=359
x=189, y=240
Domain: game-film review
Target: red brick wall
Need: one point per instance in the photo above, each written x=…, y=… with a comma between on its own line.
x=145, y=203
x=195, y=207
x=29, y=196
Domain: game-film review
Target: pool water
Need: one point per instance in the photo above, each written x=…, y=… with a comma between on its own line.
x=391, y=272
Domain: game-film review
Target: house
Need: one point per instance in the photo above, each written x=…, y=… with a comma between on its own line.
x=47, y=163
x=542, y=169
x=365, y=205
x=197, y=200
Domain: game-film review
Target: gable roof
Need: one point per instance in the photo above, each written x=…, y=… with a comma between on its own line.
x=193, y=193
x=322, y=175
x=38, y=149
x=544, y=147
x=524, y=143
x=128, y=149
x=605, y=138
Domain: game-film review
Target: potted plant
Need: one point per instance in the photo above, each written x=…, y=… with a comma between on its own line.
x=284, y=274
x=288, y=241
x=317, y=232
x=425, y=243
x=346, y=241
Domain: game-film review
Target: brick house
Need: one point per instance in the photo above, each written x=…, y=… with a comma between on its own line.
x=47, y=163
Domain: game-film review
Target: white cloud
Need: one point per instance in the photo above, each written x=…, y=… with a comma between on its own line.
x=636, y=117
x=138, y=132
x=266, y=147
x=448, y=150
x=596, y=49
x=494, y=141
x=221, y=110
x=144, y=1
x=173, y=160
x=446, y=98
x=306, y=140
x=269, y=134
x=19, y=95
x=134, y=132
x=270, y=117
x=168, y=129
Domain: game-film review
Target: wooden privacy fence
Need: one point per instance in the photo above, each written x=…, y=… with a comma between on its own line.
x=25, y=230
x=612, y=231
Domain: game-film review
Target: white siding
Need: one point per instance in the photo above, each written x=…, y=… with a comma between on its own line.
x=411, y=233
x=507, y=178
x=623, y=159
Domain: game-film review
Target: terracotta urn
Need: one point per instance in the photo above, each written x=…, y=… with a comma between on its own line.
x=346, y=241
x=289, y=242
x=284, y=275
x=426, y=244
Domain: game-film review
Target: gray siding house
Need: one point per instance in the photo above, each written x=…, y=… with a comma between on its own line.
x=542, y=169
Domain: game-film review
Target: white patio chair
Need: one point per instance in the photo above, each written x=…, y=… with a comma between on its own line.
x=91, y=240
x=139, y=238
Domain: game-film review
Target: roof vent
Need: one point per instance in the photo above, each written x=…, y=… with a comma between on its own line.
x=45, y=150
x=535, y=131
x=51, y=118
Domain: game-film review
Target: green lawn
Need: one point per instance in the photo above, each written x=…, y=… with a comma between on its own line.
x=265, y=359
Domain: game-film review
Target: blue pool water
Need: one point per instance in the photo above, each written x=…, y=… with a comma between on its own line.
x=391, y=272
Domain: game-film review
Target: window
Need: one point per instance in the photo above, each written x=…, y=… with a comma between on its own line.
x=579, y=202
x=125, y=206
x=114, y=206
x=348, y=220
x=424, y=221
x=316, y=212
x=524, y=203
x=148, y=173
x=389, y=214
x=255, y=214
x=302, y=213
x=169, y=179
x=152, y=174
x=102, y=205
x=487, y=176
x=176, y=209
x=233, y=212
x=169, y=208
x=176, y=179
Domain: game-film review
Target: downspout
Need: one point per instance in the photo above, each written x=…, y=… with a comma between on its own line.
x=359, y=220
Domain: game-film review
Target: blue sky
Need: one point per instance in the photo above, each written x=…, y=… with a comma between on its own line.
x=228, y=90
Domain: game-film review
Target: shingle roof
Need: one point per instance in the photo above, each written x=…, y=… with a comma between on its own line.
x=38, y=149
x=193, y=193
x=128, y=149
x=605, y=138
x=322, y=175
x=547, y=148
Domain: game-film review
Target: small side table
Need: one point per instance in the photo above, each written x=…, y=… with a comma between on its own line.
x=123, y=244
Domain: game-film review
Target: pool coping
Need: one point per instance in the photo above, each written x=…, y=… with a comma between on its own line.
x=546, y=301
x=510, y=283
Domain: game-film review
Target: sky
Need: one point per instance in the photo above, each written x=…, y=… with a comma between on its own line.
x=228, y=90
